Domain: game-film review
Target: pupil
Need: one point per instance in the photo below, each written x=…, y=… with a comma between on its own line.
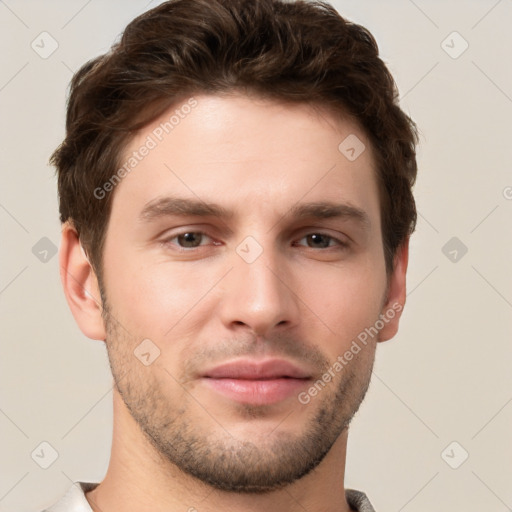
x=188, y=239
x=321, y=240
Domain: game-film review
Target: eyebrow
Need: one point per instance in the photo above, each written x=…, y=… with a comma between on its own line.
x=175, y=206
x=328, y=210
x=167, y=206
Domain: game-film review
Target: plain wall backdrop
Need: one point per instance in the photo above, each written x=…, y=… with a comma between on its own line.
x=442, y=388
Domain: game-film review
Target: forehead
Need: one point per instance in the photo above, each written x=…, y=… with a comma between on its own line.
x=248, y=152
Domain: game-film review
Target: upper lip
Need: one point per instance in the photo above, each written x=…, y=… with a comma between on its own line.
x=257, y=370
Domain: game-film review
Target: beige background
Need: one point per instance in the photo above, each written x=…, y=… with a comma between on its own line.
x=446, y=377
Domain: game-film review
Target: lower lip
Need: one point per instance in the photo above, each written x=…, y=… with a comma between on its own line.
x=257, y=392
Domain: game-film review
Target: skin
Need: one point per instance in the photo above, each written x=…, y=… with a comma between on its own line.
x=304, y=299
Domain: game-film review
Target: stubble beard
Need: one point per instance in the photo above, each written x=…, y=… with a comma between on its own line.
x=214, y=455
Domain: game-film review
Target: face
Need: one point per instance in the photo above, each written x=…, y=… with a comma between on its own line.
x=245, y=248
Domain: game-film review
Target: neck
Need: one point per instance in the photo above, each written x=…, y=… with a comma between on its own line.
x=138, y=478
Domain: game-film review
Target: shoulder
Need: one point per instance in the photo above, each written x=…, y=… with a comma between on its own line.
x=358, y=501
x=74, y=500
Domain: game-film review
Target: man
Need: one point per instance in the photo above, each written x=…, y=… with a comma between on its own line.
x=235, y=193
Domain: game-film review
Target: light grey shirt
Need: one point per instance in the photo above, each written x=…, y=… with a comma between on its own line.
x=75, y=501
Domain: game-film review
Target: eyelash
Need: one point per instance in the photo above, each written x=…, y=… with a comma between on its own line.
x=168, y=241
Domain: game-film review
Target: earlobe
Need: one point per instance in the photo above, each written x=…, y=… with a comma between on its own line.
x=395, y=301
x=80, y=285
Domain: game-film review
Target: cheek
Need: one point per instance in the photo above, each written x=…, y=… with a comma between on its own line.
x=153, y=300
x=343, y=302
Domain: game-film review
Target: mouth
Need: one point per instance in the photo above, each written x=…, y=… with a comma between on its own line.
x=257, y=382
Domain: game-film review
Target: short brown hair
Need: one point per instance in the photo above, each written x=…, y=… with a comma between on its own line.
x=298, y=51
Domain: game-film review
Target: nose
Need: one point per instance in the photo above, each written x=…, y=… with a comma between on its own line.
x=258, y=296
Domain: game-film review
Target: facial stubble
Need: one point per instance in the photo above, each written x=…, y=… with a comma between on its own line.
x=214, y=455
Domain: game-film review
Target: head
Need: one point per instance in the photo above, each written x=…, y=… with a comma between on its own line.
x=231, y=120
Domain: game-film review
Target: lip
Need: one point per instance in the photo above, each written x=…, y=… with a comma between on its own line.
x=251, y=369
x=257, y=382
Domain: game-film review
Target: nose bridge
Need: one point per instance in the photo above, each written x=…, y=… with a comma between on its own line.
x=258, y=295
x=261, y=276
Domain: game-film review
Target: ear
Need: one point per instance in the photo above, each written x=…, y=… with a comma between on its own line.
x=396, y=292
x=80, y=285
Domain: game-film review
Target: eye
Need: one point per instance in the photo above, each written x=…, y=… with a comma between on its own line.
x=322, y=241
x=188, y=239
